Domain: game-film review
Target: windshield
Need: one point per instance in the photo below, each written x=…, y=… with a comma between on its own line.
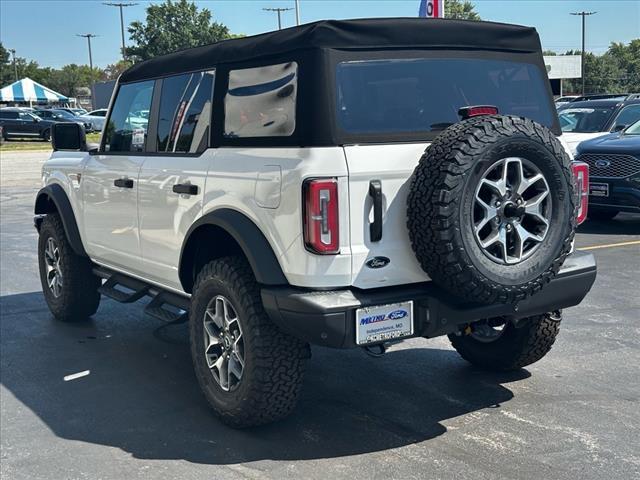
x=633, y=129
x=424, y=95
x=64, y=114
x=627, y=116
x=584, y=120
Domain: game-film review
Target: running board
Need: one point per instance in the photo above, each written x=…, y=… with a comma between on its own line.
x=164, y=305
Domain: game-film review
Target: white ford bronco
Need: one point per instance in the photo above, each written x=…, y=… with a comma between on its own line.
x=343, y=184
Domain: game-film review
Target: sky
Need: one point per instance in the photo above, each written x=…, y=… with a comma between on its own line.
x=45, y=30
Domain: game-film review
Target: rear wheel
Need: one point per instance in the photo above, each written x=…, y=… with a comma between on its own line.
x=595, y=213
x=70, y=288
x=500, y=345
x=250, y=372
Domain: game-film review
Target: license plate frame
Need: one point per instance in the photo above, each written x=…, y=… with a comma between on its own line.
x=380, y=323
x=597, y=189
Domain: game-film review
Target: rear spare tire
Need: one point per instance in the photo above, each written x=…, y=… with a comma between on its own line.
x=491, y=208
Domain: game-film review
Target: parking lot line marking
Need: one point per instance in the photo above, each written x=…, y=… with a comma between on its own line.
x=610, y=245
x=77, y=375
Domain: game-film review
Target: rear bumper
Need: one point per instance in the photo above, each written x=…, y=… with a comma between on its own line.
x=328, y=317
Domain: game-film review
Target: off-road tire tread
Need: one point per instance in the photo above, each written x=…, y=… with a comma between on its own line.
x=436, y=187
x=523, y=345
x=280, y=358
x=80, y=297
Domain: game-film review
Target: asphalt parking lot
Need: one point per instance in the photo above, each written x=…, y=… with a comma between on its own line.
x=418, y=412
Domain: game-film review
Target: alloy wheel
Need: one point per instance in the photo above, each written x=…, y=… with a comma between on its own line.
x=53, y=266
x=223, y=343
x=512, y=210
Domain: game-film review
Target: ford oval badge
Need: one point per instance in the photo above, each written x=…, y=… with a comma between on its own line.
x=602, y=163
x=377, y=262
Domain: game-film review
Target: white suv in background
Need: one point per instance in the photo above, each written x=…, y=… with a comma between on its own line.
x=308, y=186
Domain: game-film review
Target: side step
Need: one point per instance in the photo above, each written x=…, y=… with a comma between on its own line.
x=168, y=307
x=164, y=305
x=131, y=290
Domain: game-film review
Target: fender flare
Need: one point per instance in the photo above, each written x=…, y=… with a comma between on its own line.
x=55, y=193
x=251, y=240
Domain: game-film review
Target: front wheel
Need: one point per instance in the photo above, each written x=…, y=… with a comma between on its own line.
x=500, y=345
x=70, y=288
x=46, y=135
x=250, y=371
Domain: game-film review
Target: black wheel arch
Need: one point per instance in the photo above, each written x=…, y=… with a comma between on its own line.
x=236, y=233
x=53, y=198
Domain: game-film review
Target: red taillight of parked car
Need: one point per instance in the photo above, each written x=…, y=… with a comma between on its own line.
x=321, y=216
x=581, y=177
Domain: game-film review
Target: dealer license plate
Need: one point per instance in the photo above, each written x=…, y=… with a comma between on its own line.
x=384, y=322
x=599, y=189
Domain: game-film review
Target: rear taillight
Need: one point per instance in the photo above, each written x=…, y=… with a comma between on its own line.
x=321, y=215
x=581, y=177
x=477, y=110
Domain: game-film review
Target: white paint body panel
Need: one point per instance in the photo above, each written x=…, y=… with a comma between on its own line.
x=141, y=231
x=393, y=165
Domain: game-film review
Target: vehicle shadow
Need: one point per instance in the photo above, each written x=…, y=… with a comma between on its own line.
x=142, y=397
x=622, y=224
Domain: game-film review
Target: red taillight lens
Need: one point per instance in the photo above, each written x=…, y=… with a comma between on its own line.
x=581, y=177
x=476, y=111
x=321, y=215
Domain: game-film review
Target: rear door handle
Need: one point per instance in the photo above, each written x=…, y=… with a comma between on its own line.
x=185, y=189
x=123, y=183
x=375, y=228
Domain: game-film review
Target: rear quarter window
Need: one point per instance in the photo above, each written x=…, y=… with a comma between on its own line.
x=261, y=102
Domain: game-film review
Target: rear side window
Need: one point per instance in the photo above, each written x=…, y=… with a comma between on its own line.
x=261, y=102
x=185, y=112
x=9, y=115
x=129, y=120
x=424, y=95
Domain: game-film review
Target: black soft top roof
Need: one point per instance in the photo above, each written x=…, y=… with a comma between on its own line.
x=362, y=34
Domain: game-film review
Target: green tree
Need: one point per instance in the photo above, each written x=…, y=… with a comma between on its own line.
x=460, y=9
x=71, y=77
x=6, y=67
x=114, y=70
x=171, y=26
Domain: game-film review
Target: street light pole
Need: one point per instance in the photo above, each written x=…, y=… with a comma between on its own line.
x=88, y=36
x=297, y=12
x=15, y=66
x=278, y=11
x=120, y=6
x=583, y=14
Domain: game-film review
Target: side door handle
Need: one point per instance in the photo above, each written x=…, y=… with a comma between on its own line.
x=185, y=189
x=375, y=228
x=123, y=183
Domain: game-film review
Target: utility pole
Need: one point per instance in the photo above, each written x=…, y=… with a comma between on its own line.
x=583, y=14
x=297, y=12
x=15, y=66
x=120, y=6
x=88, y=36
x=279, y=11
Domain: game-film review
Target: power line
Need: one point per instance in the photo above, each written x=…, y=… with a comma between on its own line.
x=121, y=6
x=584, y=15
x=279, y=11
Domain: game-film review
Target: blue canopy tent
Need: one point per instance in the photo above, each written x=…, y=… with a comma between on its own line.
x=26, y=90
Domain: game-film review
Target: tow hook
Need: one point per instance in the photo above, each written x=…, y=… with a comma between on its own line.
x=376, y=351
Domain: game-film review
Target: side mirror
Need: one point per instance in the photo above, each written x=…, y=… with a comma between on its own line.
x=619, y=128
x=68, y=136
